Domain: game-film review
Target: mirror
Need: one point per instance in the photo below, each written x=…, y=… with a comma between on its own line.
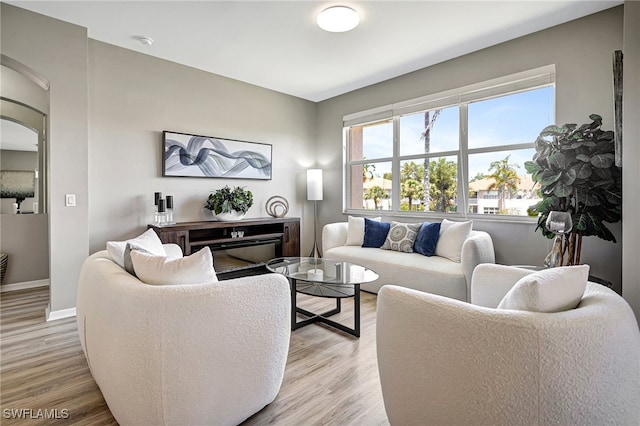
x=22, y=163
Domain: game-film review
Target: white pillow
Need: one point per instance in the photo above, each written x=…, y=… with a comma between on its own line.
x=161, y=270
x=355, y=231
x=148, y=241
x=452, y=237
x=550, y=290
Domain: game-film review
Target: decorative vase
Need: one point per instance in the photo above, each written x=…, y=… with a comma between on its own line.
x=228, y=217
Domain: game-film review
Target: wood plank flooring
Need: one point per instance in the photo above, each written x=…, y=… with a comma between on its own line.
x=331, y=378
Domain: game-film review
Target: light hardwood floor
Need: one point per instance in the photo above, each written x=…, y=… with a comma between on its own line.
x=331, y=378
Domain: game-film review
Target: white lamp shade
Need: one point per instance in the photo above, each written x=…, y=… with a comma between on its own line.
x=314, y=184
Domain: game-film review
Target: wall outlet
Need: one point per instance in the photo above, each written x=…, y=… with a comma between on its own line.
x=70, y=200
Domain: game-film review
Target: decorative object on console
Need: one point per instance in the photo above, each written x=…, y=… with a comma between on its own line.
x=187, y=155
x=575, y=169
x=314, y=193
x=277, y=206
x=560, y=224
x=18, y=184
x=229, y=205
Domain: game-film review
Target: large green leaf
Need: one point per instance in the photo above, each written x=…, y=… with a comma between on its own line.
x=562, y=190
x=596, y=118
x=557, y=160
x=569, y=176
x=532, y=167
x=584, y=158
x=549, y=177
x=602, y=161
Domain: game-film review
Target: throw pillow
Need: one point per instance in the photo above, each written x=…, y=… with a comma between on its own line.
x=427, y=239
x=149, y=240
x=401, y=237
x=375, y=233
x=161, y=270
x=452, y=237
x=550, y=290
x=128, y=263
x=355, y=230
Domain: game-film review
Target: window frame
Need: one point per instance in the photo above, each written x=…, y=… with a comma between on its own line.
x=461, y=98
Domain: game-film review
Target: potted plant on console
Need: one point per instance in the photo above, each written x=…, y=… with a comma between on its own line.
x=575, y=169
x=228, y=204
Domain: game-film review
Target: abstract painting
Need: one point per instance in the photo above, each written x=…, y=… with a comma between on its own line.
x=18, y=184
x=187, y=155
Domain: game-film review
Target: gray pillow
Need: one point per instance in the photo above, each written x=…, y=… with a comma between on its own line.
x=401, y=237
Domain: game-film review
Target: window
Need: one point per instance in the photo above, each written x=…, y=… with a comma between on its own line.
x=457, y=153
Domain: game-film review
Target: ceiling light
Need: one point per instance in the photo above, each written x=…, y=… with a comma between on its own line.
x=147, y=41
x=338, y=19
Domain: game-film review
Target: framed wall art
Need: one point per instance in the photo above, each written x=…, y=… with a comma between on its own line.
x=186, y=155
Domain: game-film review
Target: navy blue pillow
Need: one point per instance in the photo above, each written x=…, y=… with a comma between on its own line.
x=375, y=233
x=427, y=239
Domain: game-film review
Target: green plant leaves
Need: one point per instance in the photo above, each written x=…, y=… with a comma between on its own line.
x=602, y=161
x=574, y=166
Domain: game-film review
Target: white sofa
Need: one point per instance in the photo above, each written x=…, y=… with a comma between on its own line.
x=183, y=354
x=433, y=274
x=445, y=362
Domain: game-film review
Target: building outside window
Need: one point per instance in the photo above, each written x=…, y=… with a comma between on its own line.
x=456, y=153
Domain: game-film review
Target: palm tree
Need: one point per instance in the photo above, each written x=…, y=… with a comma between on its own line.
x=426, y=135
x=375, y=193
x=506, y=179
x=412, y=189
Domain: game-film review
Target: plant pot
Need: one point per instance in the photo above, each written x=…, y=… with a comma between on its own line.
x=228, y=217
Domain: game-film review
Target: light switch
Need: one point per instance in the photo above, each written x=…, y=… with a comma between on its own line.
x=70, y=200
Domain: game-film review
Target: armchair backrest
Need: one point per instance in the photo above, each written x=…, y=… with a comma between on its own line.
x=444, y=361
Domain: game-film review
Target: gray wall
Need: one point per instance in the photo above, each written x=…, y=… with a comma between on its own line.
x=631, y=157
x=24, y=239
x=134, y=97
x=58, y=51
x=583, y=86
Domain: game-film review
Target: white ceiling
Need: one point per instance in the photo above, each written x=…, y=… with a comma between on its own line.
x=277, y=45
x=15, y=137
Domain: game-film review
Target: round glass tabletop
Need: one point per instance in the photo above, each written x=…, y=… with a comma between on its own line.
x=318, y=270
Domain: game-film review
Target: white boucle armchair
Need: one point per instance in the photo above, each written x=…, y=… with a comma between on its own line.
x=447, y=362
x=183, y=354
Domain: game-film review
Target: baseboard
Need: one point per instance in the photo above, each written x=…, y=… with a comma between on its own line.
x=24, y=285
x=62, y=313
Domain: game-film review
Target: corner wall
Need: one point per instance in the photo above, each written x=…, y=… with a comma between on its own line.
x=631, y=157
x=584, y=76
x=58, y=51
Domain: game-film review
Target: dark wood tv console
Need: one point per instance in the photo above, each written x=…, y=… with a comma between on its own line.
x=284, y=233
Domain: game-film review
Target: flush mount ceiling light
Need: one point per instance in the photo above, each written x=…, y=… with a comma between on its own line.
x=147, y=41
x=338, y=19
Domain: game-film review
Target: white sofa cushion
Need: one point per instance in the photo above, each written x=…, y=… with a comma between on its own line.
x=161, y=270
x=148, y=241
x=355, y=231
x=550, y=290
x=452, y=237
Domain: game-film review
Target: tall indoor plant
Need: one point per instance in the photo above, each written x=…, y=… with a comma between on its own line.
x=574, y=167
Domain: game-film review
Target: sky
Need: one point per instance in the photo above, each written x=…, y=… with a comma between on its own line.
x=506, y=120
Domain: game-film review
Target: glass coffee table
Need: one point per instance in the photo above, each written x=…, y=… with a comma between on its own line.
x=323, y=278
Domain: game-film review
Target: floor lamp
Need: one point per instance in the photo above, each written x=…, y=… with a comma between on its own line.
x=314, y=193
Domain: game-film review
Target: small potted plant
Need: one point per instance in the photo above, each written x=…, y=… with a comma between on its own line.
x=228, y=204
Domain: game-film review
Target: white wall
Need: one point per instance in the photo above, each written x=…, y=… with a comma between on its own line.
x=583, y=86
x=58, y=51
x=134, y=97
x=631, y=157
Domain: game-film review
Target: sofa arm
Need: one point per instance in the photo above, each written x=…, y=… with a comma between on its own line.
x=334, y=235
x=477, y=249
x=490, y=283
